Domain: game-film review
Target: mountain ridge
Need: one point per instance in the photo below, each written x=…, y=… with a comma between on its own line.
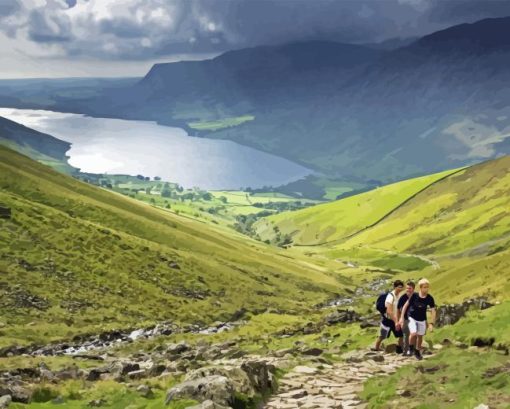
x=388, y=116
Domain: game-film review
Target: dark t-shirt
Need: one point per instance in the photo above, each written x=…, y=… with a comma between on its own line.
x=401, y=302
x=418, y=306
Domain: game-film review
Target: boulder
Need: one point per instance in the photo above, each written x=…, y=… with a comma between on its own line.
x=390, y=348
x=312, y=351
x=139, y=374
x=216, y=388
x=311, y=328
x=156, y=370
x=46, y=374
x=451, y=313
x=20, y=394
x=96, y=403
x=68, y=373
x=127, y=367
x=177, y=349
x=340, y=316
x=460, y=345
x=260, y=375
x=5, y=212
x=483, y=342
x=220, y=383
x=145, y=391
x=369, y=324
x=5, y=401
x=96, y=373
x=249, y=378
x=282, y=352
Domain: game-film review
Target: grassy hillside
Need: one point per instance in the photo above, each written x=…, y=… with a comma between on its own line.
x=464, y=211
x=452, y=227
x=461, y=223
x=76, y=258
x=340, y=219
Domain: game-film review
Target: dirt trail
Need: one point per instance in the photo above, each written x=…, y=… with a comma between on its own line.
x=322, y=386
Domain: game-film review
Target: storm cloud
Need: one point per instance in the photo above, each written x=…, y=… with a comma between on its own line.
x=152, y=29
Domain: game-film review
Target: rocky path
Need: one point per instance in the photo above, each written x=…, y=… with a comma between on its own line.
x=322, y=386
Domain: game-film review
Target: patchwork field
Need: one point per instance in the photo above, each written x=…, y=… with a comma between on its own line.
x=220, y=123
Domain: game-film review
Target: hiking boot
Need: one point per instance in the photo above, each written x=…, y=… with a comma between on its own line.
x=417, y=354
x=399, y=350
x=409, y=351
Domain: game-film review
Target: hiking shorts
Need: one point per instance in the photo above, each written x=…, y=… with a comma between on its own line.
x=388, y=328
x=417, y=327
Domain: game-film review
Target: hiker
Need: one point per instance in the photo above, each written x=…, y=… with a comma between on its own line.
x=417, y=305
x=389, y=322
x=401, y=302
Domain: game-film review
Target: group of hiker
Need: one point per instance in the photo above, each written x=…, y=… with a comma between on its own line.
x=404, y=314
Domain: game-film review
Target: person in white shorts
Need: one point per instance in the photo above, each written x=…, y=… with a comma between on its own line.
x=418, y=304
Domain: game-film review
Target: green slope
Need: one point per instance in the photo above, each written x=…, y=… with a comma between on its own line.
x=76, y=258
x=461, y=224
x=340, y=219
x=453, y=228
x=463, y=211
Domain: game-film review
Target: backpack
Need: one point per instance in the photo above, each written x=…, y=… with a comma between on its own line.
x=380, y=304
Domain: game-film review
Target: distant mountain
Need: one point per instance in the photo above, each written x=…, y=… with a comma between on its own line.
x=241, y=82
x=348, y=111
x=484, y=36
x=415, y=110
x=392, y=43
x=80, y=95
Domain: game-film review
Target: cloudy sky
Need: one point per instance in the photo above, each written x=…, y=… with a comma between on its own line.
x=59, y=38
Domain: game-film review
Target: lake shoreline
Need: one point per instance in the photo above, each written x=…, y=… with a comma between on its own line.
x=112, y=146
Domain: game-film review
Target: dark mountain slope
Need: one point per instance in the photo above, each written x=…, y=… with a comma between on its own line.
x=37, y=145
x=243, y=81
x=38, y=141
x=417, y=109
x=487, y=35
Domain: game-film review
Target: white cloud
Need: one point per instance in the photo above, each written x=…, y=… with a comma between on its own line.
x=113, y=28
x=17, y=63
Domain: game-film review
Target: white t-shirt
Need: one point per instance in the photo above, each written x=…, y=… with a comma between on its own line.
x=392, y=299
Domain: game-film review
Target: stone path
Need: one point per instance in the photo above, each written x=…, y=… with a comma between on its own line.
x=323, y=386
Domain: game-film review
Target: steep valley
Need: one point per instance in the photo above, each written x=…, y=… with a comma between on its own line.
x=82, y=265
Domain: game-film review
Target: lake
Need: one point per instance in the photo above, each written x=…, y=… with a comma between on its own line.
x=116, y=146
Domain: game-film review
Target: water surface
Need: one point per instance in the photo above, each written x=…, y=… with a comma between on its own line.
x=115, y=146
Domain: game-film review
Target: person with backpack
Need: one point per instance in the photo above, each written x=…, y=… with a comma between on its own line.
x=417, y=305
x=386, y=304
x=401, y=302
